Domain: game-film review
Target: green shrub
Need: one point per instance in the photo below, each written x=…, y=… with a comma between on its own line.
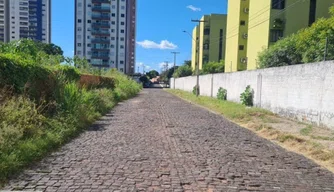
x=183, y=71
x=213, y=67
x=195, y=90
x=246, y=97
x=222, y=94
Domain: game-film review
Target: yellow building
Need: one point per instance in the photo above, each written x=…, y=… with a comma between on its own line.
x=271, y=20
x=236, y=38
x=210, y=39
x=266, y=21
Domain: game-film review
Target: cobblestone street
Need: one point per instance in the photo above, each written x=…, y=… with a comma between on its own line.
x=158, y=142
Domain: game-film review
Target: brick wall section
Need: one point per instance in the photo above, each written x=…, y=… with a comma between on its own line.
x=304, y=92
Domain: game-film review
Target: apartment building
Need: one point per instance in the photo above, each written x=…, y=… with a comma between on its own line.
x=210, y=41
x=254, y=25
x=236, y=38
x=25, y=19
x=105, y=33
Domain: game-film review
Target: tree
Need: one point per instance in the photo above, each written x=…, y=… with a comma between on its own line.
x=214, y=67
x=51, y=49
x=144, y=79
x=187, y=62
x=152, y=74
x=183, y=71
x=166, y=75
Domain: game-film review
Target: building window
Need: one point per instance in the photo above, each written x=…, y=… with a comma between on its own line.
x=275, y=35
x=89, y=21
x=79, y=44
x=121, y=69
x=207, y=31
x=122, y=31
x=112, y=38
x=313, y=8
x=241, y=47
x=221, y=37
x=242, y=22
x=122, y=38
x=122, y=15
x=88, y=45
x=113, y=15
x=121, y=62
x=278, y=4
x=79, y=20
x=122, y=23
x=122, y=46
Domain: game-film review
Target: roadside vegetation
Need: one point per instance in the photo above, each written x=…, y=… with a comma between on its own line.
x=310, y=141
x=44, y=104
x=306, y=46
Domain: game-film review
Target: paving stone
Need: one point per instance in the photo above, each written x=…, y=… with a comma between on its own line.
x=158, y=142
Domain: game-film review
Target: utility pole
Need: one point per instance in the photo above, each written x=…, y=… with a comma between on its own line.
x=174, y=64
x=166, y=69
x=197, y=65
x=143, y=69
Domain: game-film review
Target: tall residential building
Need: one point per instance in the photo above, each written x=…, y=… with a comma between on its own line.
x=236, y=38
x=210, y=38
x=254, y=25
x=105, y=32
x=25, y=19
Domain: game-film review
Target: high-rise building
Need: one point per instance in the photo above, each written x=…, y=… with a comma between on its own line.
x=254, y=25
x=105, y=32
x=210, y=38
x=25, y=19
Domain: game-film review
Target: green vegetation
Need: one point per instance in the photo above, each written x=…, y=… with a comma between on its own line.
x=307, y=130
x=257, y=120
x=306, y=46
x=214, y=67
x=44, y=105
x=231, y=110
x=183, y=71
x=246, y=97
x=222, y=94
x=152, y=74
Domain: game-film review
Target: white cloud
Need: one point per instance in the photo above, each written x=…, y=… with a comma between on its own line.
x=164, y=44
x=193, y=8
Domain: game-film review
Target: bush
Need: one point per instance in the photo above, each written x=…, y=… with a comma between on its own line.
x=49, y=106
x=195, y=90
x=222, y=94
x=246, y=97
x=183, y=71
x=214, y=67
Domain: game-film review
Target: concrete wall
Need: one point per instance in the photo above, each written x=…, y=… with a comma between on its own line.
x=304, y=92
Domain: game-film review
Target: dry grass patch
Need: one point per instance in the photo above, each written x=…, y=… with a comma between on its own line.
x=295, y=136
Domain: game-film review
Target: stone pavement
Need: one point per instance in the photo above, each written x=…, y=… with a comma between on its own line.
x=157, y=142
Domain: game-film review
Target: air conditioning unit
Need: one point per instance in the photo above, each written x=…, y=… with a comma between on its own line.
x=246, y=10
x=243, y=60
x=245, y=35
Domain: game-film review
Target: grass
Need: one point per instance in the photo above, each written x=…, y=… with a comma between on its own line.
x=260, y=120
x=307, y=130
x=28, y=132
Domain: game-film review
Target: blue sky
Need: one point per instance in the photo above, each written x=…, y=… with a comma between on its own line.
x=159, y=28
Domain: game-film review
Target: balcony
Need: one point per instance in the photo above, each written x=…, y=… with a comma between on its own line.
x=100, y=33
x=100, y=56
x=100, y=1
x=104, y=65
x=100, y=25
x=101, y=17
x=101, y=9
x=105, y=41
x=100, y=49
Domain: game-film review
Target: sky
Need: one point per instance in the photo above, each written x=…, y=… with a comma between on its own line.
x=160, y=26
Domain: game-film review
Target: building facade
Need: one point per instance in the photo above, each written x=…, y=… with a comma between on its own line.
x=105, y=32
x=209, y=39
x=237, y=37
x=254, y=25
x=25, y=19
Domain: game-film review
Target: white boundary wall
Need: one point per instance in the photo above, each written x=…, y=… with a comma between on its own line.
x=304, y=92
